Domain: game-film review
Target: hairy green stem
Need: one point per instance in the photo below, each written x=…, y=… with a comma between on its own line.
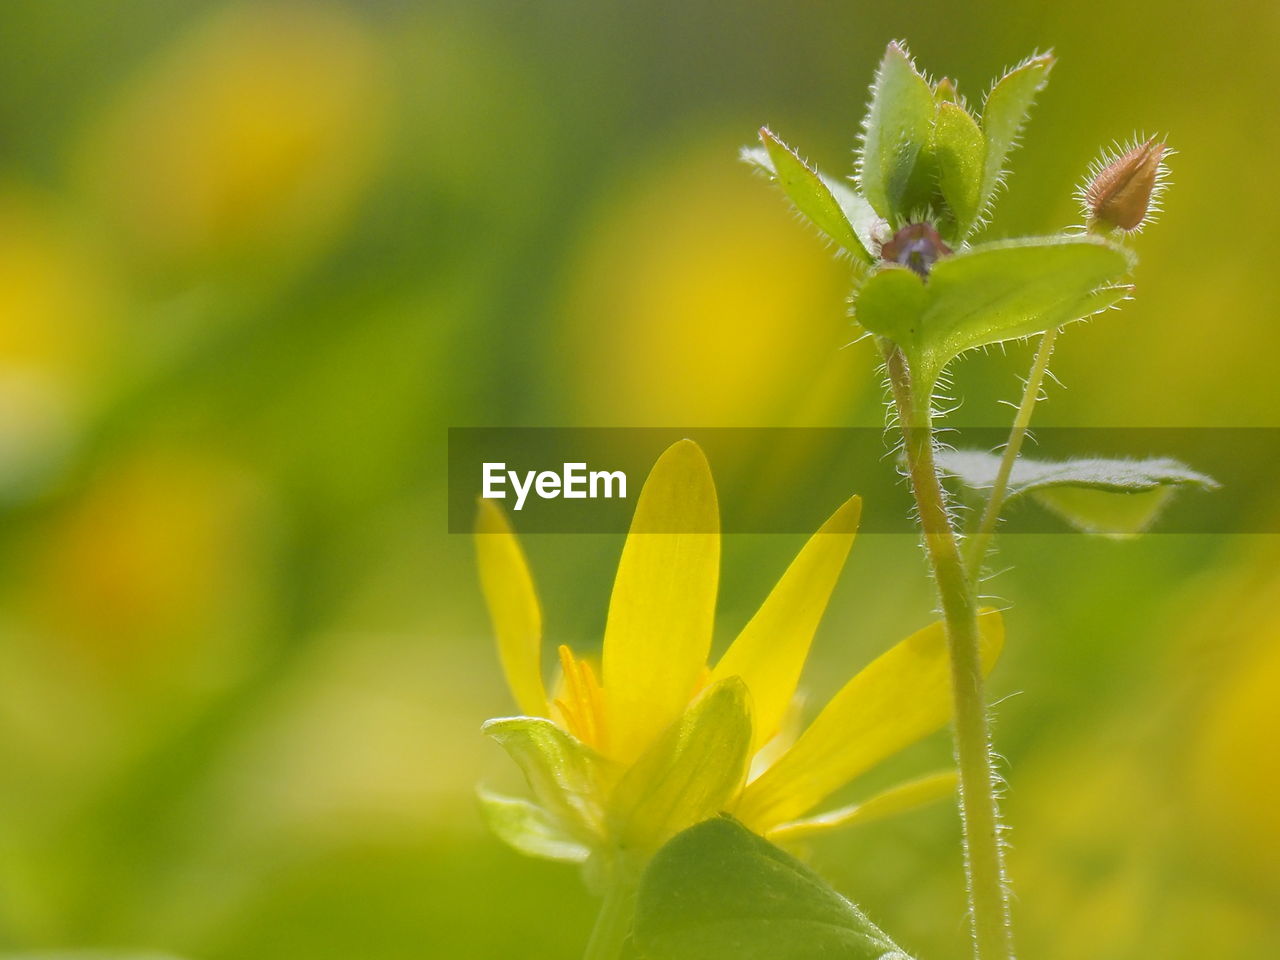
x=979, y=543
x=613, y=923
x=984, y=856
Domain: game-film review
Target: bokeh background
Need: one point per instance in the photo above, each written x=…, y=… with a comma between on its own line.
x=256, y=257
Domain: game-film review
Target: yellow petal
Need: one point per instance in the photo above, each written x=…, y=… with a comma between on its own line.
x=770, y=651
x=688, y=774
x=900, y=799
x=900, y=697
x=513, y=607
x=658, y=632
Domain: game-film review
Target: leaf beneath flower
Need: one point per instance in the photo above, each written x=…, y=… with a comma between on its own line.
x=719, y=892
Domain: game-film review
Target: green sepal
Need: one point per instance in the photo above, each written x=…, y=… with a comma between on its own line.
x=689, y=774
x=529, y=829
x=896, y=132
x=1005, y=113
x=959, y=148
x=719, y=892
x=564, y=774
x=835, y=208
x=990, y=293
x=1112, y=497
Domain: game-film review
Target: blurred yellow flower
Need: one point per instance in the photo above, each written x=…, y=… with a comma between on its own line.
x=694, y=282
x=660, y=741
x=59, y=316
x=251, y=135
x=150, y=572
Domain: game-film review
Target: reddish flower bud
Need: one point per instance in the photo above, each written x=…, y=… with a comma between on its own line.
x=917, y=245
x=1124, y=188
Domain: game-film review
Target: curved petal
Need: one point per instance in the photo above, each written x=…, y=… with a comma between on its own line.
x=661, y=613
x=770, y=651
x=513, y=607
x=901, y=696
x=888, y=803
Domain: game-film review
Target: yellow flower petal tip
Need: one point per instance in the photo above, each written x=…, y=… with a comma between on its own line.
x=658, y=631
x=490, y=518
x=846, y=518
x=770, y=652
x=513, y=606
x=681, y=473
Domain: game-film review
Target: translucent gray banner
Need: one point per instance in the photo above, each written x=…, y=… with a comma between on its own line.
x=778, y=480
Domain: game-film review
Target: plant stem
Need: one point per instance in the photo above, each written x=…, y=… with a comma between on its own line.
x=976, y=548
x=979, y=813
x=613, y=923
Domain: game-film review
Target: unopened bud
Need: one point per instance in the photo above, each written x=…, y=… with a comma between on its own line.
x=1123, y=191
x=946, y=91
x=917, y=245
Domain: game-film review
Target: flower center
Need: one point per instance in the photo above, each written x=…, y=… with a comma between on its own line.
x=580, y=703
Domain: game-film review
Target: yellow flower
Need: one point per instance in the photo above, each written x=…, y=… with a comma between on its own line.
x=660, y=741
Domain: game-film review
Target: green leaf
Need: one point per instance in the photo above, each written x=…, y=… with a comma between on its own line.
x=1115, y=497
x=529, y=829
x=88, y=955
x=810, y=194
x=989, y=293
x=719, y=892
x=1005, y=113
x=978, y=468
x=833, y=207
x=896, y=130
x=959, y=148
x=563, y=773
x=1118, y=515
x=866, y=223
x=690, y=773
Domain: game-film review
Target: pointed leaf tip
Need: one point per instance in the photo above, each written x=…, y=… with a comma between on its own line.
x=896, y=130
x=1005, y=114
x=819, y=199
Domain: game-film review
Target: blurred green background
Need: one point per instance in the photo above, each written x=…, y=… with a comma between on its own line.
x=256, y=257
